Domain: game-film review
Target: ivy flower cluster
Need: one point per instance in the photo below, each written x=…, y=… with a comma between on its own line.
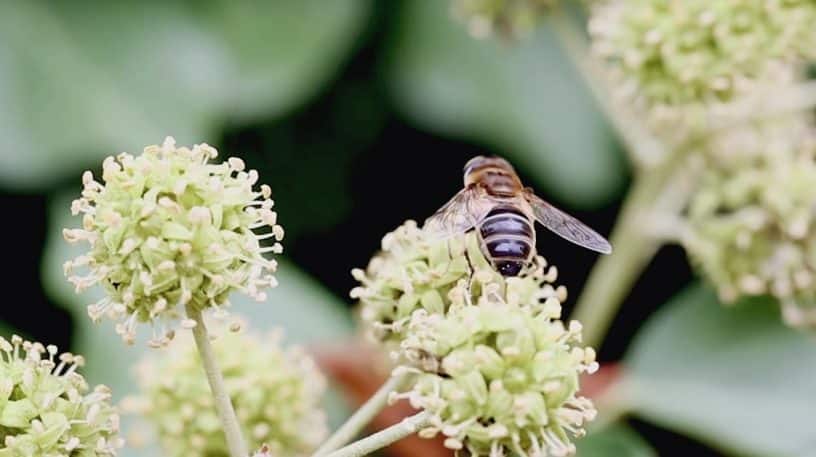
x=496, y=368
x=678, y=59
x=47, y=408
x=414, y=271
x=276, y=394
x=751, y=222
x=510, y=18
x=169, y=229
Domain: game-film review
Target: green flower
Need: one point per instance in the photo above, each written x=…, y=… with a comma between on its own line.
x=275, y=392
x=168, y=229
x=679, y=59
x=416, y=271
x=495, y=367
x=511, y=18
x=750, y=226
x=504, y=378
x=46, y=407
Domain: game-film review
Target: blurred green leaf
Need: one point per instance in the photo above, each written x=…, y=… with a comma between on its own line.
x=7, y=330
x=523, y=98
x=614, y=441
x=733, y=377
x=305, y=309
x=282, y=51
x=87, y=78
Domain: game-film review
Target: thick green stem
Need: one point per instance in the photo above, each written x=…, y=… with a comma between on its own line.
x=383, y=438
x=613, y=276
x=223, y=406
x=355, y=424
x=633, y=247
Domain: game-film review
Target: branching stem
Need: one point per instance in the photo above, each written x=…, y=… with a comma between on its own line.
x=357, y=422
x=383, y=438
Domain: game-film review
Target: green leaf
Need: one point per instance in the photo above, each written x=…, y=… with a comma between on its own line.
x=305, y=309
x=282, y=52
x=89, y=78
x=733, y=377
x=614, y=441
x=522, y=98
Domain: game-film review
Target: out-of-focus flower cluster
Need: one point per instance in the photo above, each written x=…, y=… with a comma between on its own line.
x=509, y=18
x=47, y=408
x=751, y=221
x=494, y=365
x=276, y=394
x=168, y=229
x=679, y=60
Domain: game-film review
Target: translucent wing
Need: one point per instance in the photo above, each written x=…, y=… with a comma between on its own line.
x=464, y=211
x=565, y=225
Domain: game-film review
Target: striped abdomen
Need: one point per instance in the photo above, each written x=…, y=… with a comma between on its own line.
x=508, y=239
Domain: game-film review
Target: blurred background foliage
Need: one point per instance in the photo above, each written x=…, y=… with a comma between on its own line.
x=360, y=115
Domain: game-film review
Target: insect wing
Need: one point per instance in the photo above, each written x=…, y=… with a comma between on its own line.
x=566, y=226
x=464, y=211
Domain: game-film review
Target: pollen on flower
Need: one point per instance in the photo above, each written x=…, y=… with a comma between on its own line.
x=276, y=393
x=168, y=228
x=51, y=409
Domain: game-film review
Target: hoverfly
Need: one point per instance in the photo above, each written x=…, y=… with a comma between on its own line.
x=495, y=202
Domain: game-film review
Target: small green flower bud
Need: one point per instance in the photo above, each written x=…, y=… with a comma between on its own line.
x=47, y=408
x=750, y=223
x=679, y=60
x=415, y=271
x=275, y=392
x=508, y=387
x=510, y=18
x=168, y=228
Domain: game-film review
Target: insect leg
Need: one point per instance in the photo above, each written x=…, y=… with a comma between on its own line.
x=469, y=295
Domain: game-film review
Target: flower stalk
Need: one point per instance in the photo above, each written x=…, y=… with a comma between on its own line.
x=363, y=415
x=223, y=406
x=383, y=438
x=635, y=243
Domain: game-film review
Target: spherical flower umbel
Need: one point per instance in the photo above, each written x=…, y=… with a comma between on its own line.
x=167, y=229
x=276, y=394
x=750, y=223
x=47, y=408
x=417, y=271
x=677, y=58
x=504, y=381
x=510, y=18
x=494, y=365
